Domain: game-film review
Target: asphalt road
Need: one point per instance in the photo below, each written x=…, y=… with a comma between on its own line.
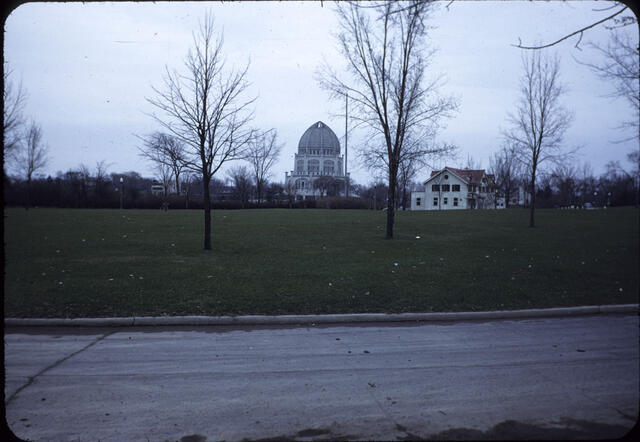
x=544, y=378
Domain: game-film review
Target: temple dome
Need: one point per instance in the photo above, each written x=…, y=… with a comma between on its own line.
x=319, y=136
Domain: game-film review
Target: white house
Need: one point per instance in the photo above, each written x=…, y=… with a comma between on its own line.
x=453, y=189
x=158, y=188
x=518, y=198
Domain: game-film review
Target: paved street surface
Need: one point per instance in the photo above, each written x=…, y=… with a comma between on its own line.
x=543, y=378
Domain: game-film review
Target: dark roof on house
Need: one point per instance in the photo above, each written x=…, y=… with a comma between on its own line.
x=471, y=176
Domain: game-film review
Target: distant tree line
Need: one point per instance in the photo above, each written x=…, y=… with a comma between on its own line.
x=571, y=186
x=563, y=186
x=85, y=188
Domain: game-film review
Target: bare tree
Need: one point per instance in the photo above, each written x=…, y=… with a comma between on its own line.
x=387, y=58
x=540, y=120
x=14, y=101
x=84, y=175
x=290, y=191
x=564, y=179
x=205, y=109
x=166, y=151
x=241, y=178
x=101, y=181
x=587, y=182
x=262, y=153
x=633, y=175
x=505, y=168
x=165, y=176
x=31, y=156
x=620, y=65
x=188, y=178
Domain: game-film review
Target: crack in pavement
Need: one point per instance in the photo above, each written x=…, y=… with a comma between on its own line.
x=55, y=364
x=603, y=404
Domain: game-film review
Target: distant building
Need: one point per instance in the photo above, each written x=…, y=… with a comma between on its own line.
x=318, y=165
x=158, y=188
x=518, y=197
x=456, y=189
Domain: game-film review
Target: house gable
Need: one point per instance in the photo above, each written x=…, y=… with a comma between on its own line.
x=436, y=173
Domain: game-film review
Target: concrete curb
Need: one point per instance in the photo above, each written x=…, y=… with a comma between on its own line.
x=320, y=319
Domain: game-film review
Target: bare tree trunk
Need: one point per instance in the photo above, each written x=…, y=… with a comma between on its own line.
x=259, y=190
x=533, y=199
x=391, y=199
x=206, y=205
x=27, y=202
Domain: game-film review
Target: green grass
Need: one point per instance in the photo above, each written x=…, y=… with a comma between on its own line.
x=71, y=263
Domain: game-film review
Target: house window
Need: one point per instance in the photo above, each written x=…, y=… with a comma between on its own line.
x=446, y=200
x=455, y=202
x=446, y=177
x=417, y=201
x=455, y=187
x=435, y=187
x=445, y=187
x=435, y=201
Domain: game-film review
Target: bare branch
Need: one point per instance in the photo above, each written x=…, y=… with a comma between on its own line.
x=579, y=31
x=14, y=99
x=620, y=69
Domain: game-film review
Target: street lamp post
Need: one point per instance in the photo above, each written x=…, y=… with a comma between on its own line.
x=121, y=193
x=375, y=196
x=346, y=152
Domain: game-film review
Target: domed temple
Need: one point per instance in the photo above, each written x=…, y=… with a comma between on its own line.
x=318, y=165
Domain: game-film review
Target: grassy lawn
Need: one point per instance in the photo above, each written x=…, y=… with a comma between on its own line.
x=70, y=263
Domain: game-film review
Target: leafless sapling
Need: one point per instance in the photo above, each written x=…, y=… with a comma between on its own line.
x=506, y=170
x=540, y=120
x=262, y=153
x=31, y=156
x=241, y=179
x=204, y=107
x=165, y=151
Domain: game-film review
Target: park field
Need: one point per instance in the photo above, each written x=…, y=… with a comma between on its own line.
x=99, y=263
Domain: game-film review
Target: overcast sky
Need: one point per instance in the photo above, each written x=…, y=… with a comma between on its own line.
x=87, y=69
